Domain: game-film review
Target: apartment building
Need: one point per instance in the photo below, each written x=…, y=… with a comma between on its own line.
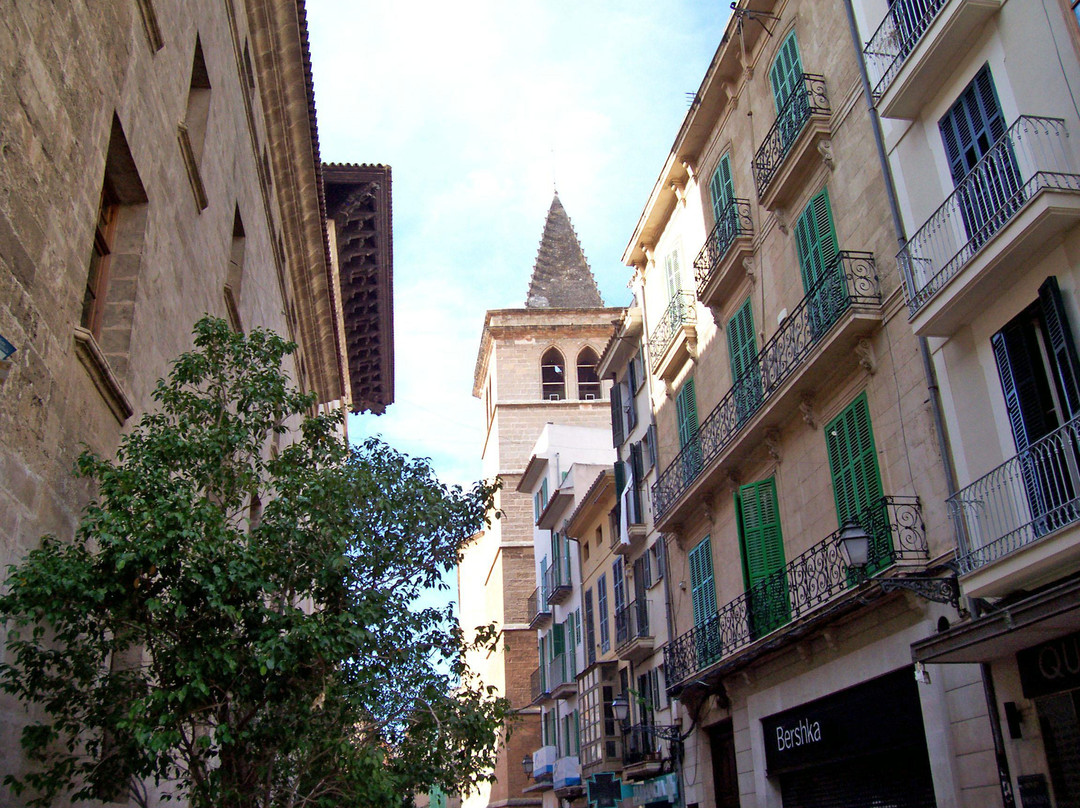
x=160, y=161
x=536, y=365
x=566, y=461
x=794, y=426
x=980, y=122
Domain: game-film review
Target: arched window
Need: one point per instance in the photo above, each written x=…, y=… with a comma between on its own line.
x=588, y=383
x=553, y=375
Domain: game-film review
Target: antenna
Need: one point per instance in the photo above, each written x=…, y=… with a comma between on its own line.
x=748, y=14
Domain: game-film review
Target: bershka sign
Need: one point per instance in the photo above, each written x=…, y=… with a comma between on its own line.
x=805, y=731
x=837, y=727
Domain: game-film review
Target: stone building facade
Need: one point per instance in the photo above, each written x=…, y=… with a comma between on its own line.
x=159, y=161
x=528, y=374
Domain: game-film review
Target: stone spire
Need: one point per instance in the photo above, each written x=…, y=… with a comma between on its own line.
x=561, y=277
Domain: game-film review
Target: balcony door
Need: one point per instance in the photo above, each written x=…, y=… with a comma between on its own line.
x=745, y=373
x=819, y=255
x=987, y=178
x=785, y=75
x=721, y=189
x=686, y=418
x=762, y=545
x=1037, y=363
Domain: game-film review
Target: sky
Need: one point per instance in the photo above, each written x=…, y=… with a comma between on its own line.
x=482, y=108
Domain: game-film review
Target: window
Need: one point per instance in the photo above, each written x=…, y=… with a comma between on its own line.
x=629, y=413
x=540, y=500
x=587, y=381
x=601, y=606
x=1037, y=363
x=762, y=545
x=618, y=589
x=637, y=476
x=819, y=255
x=590, y=630
x=785, y=75
x=570, y=742
x=721, y=189
x=115, y=255
x=742, y=351
x=969, y=131
x=673, y=273
x=234, y=277
x=642, y=575
x=198, y=103
x=656, y=552
x=600, y=732
x=549, y=738
x=553, y=375
x=618, y=434
x=849, y=441
x=687, y=422
x=702, y=587
x=649, y=450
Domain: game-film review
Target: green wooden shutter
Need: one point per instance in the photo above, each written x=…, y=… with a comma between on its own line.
x=558, y=639
x=758, y=517
x=721, y=188
x=616, y=416
x=853, y=460
x=785, y=75
x=815, y=240
x=702, y=585
x=686, y=413
x=741, y=344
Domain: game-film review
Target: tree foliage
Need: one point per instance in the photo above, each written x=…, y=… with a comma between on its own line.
x=234, y=622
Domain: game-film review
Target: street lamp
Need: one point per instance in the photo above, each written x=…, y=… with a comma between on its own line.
x=527, y=765
x=621, y=707
x=855, y=546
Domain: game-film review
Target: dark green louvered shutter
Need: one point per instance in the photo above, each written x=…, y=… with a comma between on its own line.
x=616, y=416
x=815, y=240
x=702, y=586
x=721, y=188
x=741, y=343
x=558, y=640
x=1062, y=348
x=853, y=460
x=785, y=75
x=686, y=413
x=758, y=516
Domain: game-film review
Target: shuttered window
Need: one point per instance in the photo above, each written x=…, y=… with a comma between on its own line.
x=686, y=413
x=617, y=416
x=721, y=188
x=741, y=343
x=602, y=608
x=815, y=240
x=849, y=441
x=785, y=75
x=972, y=125
x=590, y=630
x=762, y=544
x=673, y=273
x=702, y=585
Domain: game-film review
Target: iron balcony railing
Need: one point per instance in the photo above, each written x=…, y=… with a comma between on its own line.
x=538, y=605
x=1029, y=157
x=562, y=670
x=680, y=311
x=632, y=622
x=850, y=280
x=1028, y=496
x=557, y=579
x=734, y=221
x=806, y=583
x=896, y=38
x=538, y=684
x=803, y=103
x=641, y=745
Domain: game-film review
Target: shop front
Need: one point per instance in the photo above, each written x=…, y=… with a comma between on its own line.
x=862, y=746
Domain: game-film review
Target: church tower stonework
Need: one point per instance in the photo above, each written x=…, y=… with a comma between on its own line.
x=536, y=365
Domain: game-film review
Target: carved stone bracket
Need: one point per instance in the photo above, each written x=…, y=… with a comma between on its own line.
x=806, y=407
x=691, y=342
x=680, y=192
x=780, y=214
x=772, y=443
x=691, y=169
x=734, y=479
x=864, y=350
x=825, y=149
x=669, y=388
x=717, y=316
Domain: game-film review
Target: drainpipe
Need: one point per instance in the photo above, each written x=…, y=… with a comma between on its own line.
x=1004, y=775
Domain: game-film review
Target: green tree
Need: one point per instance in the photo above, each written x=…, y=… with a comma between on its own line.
x=235, y=620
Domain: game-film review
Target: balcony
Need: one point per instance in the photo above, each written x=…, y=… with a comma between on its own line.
x=918, y=44
x=718, y=267
x=633, y=639
x=795, y=144
x=796, y=599
x=674, y=337
x=543, y=773
x=815, y=340
x=567, y=777
x=1006, y=212
x=561, y=676
x=1017, y=523
x=557, y=583
x=539, y=610
x=643, y=752
x=538, y=686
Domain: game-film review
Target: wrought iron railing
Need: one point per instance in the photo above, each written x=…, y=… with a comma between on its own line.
x=896, y=38
x=1030, y=156
x=562, y=670
x=806, y=583
x=538, y=684
x=538, y=605
x=640, y=745
x=557, y=579
x=851, y=280
x=632, y=622
x=1028, y=496
x=803, y=103
x=734, y=221
x=680, y=311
